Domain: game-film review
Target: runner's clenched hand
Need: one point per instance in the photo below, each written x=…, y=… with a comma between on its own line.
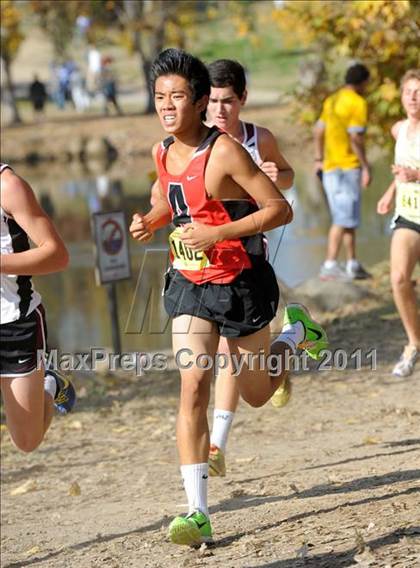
x=270, y=169
x=139, y=229
x=198, y=236
x=404, y=174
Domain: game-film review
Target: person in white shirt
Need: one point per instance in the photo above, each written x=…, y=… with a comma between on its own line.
x=404, y=192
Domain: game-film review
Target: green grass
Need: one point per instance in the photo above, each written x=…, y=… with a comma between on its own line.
x=270, y=65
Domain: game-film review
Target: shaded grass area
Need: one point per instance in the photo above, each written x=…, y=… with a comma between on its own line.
x=268, y=62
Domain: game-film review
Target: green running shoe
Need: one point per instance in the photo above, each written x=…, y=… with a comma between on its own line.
x=217, y=465
x=315, y=339
x=282, y=395
x=192, y=530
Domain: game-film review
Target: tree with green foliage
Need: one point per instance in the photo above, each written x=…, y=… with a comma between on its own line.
x=11, y=38
x=57, y=20
x=143, y=27
x=382, y=34
x=147, y=27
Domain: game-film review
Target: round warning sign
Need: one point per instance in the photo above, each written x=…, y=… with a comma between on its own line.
x=112, y=237
x=112, y=256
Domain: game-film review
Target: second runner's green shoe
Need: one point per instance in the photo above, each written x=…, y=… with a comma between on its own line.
x=315, y=339
x=282, y=395
x=192, y=530
x=217, y=465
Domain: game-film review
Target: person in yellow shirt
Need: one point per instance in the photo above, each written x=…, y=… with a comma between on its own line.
x=404, y=192
x=341, y=157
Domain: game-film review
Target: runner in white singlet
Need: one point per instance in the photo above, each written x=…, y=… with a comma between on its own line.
x=29, y=392
x=405, y=244
x=227, y=97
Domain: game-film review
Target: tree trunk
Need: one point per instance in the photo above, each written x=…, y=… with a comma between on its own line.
x=150, y=101
x=16, y=119
x=148, y=45
x=154, y=45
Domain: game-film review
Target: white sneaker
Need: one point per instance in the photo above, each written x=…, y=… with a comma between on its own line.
x=405, y=365
x=356, y=271
x=335, y=272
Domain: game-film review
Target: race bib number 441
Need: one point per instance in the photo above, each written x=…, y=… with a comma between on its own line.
x=184, y=257
x=408, y=202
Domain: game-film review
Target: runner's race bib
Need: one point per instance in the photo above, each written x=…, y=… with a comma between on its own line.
x=408, y=202
x=184, y=257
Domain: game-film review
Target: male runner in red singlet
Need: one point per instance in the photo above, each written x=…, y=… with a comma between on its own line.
x=220, y=283
x=228, y=96
x=29, y=392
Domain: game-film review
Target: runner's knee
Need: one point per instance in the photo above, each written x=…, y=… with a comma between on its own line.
x=255, y=400
x=195, y=391
x=399, y=279
x=27, y=441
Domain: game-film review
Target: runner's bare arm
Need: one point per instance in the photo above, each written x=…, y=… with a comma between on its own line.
x=143, y=226
x=160, y=215
x=405, y=174
x=50, y=254
x=319, y=140
x=232, y=161
x=357, y=141
x=274, y=164
x=386, y=203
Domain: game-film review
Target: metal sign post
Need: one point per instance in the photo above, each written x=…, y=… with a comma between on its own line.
x=112, y=261
x=113, y=311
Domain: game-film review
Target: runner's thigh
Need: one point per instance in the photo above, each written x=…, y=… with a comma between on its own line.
x=251, y=371
x=405, y=252
x=24, y=403
x=193, y=340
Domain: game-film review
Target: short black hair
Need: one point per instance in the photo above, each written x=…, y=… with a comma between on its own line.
x=228, y=73
x=178, y=62
x=357, y=74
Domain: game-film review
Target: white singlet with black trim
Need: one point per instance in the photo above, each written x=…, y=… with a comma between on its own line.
x=407, y=153
x=17, y=293
x=250, y=141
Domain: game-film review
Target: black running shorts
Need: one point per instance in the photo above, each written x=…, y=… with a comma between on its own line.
x=20, y=342
x=403, y=223
x=239, y=308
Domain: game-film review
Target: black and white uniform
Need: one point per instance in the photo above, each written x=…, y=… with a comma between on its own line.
x=250, y=141
x=23, y=330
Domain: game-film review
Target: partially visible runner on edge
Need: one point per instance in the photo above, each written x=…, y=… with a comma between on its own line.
x=405, y=193
x=341, y=157
x=29, y=392
x=228, y=96
x=220, y=283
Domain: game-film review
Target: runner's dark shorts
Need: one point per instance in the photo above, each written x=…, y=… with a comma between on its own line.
x=20, y=341
x=403, y=223
x=239, y=308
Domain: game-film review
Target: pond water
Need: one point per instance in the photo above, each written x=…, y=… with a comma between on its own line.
x=77, y=309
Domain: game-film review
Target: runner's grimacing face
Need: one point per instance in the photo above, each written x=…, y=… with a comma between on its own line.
x=411, y=98
x=224, y=107
x=174, y=104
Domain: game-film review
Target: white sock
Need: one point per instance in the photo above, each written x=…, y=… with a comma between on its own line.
x=222, y=421
x=195, y=478
x=50, y=385
x=330, y=264
x=292, y=334
x=352, y=264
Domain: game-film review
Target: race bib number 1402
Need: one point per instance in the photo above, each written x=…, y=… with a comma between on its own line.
x=184, y=257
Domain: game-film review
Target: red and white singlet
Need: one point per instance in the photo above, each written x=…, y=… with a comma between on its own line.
x=189, y=202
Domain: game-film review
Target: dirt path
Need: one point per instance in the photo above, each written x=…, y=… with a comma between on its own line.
x=332, y=480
